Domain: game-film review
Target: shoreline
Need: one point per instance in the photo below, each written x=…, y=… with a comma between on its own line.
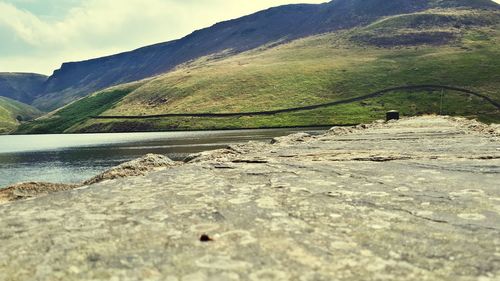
x=198, y=130
x=136, y=167
x=411, y=199
x=153, y=162
x=23, y=152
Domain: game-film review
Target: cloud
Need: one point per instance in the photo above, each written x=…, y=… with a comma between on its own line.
x=95, y=28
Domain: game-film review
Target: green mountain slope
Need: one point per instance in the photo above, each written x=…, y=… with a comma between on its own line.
x=279, y=24
x=455, y=47
x=12, y=113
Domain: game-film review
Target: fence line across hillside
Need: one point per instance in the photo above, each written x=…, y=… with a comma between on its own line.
x=304, y=108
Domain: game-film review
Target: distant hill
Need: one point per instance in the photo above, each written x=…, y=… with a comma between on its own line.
x=446, y=46
x=12, y=113
x=276, y=25
x=23, y=87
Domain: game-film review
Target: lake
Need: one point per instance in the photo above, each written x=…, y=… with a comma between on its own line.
x=77, y=157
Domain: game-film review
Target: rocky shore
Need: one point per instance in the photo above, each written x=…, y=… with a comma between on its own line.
x=415, y=199
x=137, y=167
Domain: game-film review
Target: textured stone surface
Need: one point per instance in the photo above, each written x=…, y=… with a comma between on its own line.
x=26, y=190
x=417, y=199
x=137, y=167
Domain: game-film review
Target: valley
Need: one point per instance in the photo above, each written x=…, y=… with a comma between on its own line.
x=312, y=70
x=12, y=113
x=347, y=51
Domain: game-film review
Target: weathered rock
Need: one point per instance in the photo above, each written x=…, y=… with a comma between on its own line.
x=473, y=125
x=30, y=190
x=209, y=155
x=338, y=131
x=137, y=167
x=416, y=199
x=298, y=137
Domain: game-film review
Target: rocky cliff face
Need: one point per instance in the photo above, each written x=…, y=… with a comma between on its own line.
x=23, y=87
x=415, y=199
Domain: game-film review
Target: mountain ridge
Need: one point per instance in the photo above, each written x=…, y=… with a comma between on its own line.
x=318, y=69
x=283, y=23
x=21, y=86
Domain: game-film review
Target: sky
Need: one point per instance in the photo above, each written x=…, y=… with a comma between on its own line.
x=39, y=35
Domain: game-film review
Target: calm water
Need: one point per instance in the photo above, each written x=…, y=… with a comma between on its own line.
x=74, y=158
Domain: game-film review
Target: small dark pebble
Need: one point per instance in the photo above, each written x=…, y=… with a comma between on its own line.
x=93, y=257
x=205, y=238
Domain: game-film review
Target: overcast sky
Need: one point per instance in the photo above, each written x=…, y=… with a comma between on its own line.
x=39, y=35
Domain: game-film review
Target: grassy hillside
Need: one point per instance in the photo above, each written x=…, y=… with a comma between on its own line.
x=77, y=112
x=279, y=24
x=12, y=113
x=456, y=47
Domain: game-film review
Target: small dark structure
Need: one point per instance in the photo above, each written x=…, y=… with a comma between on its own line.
x=392, y=115
x=205, y=238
